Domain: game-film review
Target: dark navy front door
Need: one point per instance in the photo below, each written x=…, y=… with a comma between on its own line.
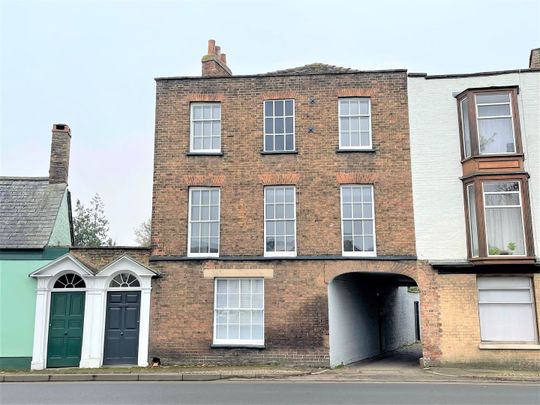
x=122, y=327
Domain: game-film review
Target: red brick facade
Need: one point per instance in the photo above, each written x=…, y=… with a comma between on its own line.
x=296, y=302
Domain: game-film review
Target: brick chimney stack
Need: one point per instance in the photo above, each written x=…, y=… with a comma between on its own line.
x=534, y=59
x=59, y=166
x=214, y=63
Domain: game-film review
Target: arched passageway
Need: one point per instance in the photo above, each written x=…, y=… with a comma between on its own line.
x=371, y=314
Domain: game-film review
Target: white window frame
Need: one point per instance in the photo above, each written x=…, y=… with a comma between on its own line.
x=531, y=302
x=190, y=192
x=284, y=150
x=279, y=254
x=520, y=206
x=370, y=146
x=353, y=253
x=478, y=118
x=191, y=127
x=238, y=342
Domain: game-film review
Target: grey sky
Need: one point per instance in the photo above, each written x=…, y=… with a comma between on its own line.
x=91, y=64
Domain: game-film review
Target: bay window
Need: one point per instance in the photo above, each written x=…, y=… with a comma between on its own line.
x=498, y=218
x=489, y=123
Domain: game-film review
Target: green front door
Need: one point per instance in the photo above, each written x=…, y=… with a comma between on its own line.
x=65, y=329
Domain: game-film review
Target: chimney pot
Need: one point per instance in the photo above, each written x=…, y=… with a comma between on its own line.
x=214, y=63
x=211, y=47
x=59, y=161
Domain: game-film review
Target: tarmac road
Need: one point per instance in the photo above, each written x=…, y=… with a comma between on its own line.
x=266, y=392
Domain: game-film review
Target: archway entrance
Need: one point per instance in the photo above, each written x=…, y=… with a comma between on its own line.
x=371, y=314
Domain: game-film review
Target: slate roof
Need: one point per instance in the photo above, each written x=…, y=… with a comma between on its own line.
x=313, y=69
x=28, y=210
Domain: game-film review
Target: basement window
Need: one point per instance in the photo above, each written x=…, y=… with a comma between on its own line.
x=506, y=310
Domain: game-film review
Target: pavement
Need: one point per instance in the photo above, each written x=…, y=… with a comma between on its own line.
x=398, y=366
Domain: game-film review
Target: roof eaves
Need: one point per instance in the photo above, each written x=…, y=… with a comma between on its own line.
x=262, y=75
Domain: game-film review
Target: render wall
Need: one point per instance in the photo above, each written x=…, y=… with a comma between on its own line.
x=398, y=324
x=436, y=158
x=17, y=309
x=354, y=321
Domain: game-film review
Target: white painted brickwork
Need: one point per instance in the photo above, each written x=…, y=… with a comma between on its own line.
x=436, y=159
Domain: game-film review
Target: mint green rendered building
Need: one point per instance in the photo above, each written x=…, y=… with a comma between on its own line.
x=35, y=228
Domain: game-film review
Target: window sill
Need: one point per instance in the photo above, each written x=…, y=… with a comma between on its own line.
x=204, y=154
x=509, y=156
x=236, y=346
x=509, y=346
x=282, y=152
x=356, y=150
x=503, y=259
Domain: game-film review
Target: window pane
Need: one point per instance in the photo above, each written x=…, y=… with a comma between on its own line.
x=346, y=193
x=473, y=227
x=355, y=138
x=257, y=332
x=289, y=110
x=354, y=108
x=495, y=135
x=269, y=143
x=207, y=143
x=364, y=123
x=347, y=227
x=289, y=142
x=278, y=105
x=216, y=128
x=465, y=127
x=493, y=110
x=268, y=108
x=269, y=125
x=502, y=199
x=345, y=140
x=257, y=301
x=492, y=98
x=344, y=107
x=504, y=231
x=197, y=112
x=289, y=125
x=216, y=111
x=197, y=128
x=289, y=244
x=365, y=138
x=501, y=186
x=207, y=111
x=280, y=142
x=270, y=211
x=270, y=228
x=344, y=124
x=279, y=126
x=364, y=107
x=197, y=143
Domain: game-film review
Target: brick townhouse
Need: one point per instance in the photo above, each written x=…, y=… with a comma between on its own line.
x=282, y=222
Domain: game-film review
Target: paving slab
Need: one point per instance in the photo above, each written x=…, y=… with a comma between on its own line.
x=116, y=377
x=160, y=377
x=26, y=378
x=72, y=377
x=201, y=377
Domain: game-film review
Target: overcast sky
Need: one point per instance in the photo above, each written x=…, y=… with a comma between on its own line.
x=91, y=64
